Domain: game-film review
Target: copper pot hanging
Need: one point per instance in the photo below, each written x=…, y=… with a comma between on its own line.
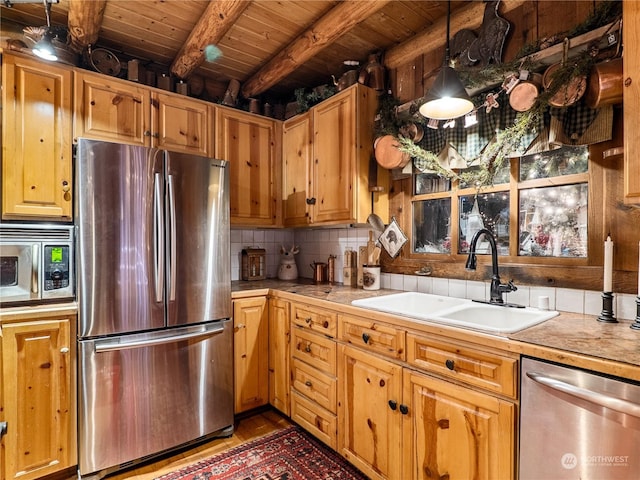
x=570, y=92
x=524, y=95
x=605, y=84
x=387, y=153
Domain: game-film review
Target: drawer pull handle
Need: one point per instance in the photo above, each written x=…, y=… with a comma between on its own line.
x=393, y=404
x=308, y=320
x=307, y=348
x=365, y=337
x=308, y=383
x=3, y=429
x=64, y=350
x=325, y=324
x=404, y=409
x=450, y=364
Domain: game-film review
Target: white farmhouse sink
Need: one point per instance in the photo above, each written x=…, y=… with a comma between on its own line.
x=493, y=318
x=412, y=304
x=457, y=311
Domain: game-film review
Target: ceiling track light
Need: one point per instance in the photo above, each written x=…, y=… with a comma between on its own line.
x=44, y=47
x=447, y=97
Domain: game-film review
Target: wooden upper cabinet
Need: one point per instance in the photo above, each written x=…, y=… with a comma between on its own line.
x=183, y=125
x=252, y=145
x=112, y=110
x=36, y=140
x=120, y=111
x=297, y=157
x=631, y=104
x=328, y=173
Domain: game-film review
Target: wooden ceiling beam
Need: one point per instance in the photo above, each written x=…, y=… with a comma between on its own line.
x=217, y=19
x=470, y=16
x=339, y=20
x=84, y=22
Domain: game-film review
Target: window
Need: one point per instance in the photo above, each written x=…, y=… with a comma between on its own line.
x=546, y=193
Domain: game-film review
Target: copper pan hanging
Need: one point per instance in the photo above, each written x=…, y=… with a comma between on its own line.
x=605, y=84
x=524, y=95
x=569, y=92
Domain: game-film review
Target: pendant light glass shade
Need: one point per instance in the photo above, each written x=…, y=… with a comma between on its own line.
x=447, y=98
x=44, y=48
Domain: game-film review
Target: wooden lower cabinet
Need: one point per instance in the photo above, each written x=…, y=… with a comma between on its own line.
x=279, y=355
x=454, y=432
x=37, y=398
x=251, y=347
x=369, y=413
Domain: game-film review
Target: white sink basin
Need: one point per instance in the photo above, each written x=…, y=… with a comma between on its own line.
x=457, y=311
x=412, y=304
x=494, y=318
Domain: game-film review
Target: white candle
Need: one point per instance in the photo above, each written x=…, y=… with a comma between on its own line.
x=608, y=265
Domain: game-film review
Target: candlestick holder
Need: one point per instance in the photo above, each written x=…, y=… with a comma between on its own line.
x=606, y=315
x=636, y=323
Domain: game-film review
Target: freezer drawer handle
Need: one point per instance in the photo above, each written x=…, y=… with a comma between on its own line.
x=613, y=403
x=112, y=346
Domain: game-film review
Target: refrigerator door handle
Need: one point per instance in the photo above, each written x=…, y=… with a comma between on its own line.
x=172, y=232
x=158, y=238
x=111, y=345
x=618, y=404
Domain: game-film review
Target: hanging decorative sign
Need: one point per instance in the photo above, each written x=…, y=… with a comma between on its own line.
x=393, y=238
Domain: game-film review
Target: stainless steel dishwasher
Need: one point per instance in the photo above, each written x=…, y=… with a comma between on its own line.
x=576, y=424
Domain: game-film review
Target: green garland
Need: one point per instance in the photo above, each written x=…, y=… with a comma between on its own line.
x=495, y=156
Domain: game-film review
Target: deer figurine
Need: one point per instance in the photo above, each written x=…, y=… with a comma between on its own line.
x=288, y=270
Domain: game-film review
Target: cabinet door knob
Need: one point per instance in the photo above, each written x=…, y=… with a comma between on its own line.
x=308, y=319
x=311, y=201
x=450, y=364
x=308, y=383
x=65, y=186
x=307, y=348
x=3, y=429
x=64, y=350
x=147, y=133
x=404, y=409
x=393, y=404
x=365, y=337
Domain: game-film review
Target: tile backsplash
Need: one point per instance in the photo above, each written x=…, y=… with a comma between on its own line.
x=317, y=244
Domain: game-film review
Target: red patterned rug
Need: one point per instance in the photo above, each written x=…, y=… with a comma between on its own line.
x=288, y=454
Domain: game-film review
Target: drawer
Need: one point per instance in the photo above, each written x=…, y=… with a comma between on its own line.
x=315, y=385
x=372, y=336
x=314, y=419
x=316, y=350
x=490, y=371
x=314, y=318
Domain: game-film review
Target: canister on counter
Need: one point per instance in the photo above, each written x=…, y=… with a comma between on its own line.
x=253, y=264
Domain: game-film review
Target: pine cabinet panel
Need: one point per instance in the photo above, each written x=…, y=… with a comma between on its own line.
x=372, y=336
x=251, y=357
x=112, y=110
x=314, y=349
x=297, y=152
x=279, y=384
x=314, y=419
x=115, y=110
x=36, y=140
x=38, y=398
x=183, y=125
x=252, y=146
x=329, y=174
x=370, y=396
x=456, y=433
x=314, y=384
x=319, y=320
x=631, y=103
x=334, y=151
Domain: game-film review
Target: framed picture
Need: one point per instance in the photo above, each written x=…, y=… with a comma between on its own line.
x=393, y=239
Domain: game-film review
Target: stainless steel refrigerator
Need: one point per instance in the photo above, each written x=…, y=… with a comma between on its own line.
x=155, y=347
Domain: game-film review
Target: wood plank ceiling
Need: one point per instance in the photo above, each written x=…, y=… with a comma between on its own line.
x=270, y=46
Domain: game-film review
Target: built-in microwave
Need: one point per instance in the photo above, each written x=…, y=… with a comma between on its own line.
x=36, y=263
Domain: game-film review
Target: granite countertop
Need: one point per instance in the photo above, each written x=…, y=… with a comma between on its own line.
x=568, y=332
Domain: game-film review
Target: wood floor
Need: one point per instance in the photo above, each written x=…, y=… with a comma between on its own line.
x=246, y=429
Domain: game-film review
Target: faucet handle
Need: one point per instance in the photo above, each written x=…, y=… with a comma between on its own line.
x=511, y=286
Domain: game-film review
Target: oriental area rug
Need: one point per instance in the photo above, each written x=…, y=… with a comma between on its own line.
x=288, y=454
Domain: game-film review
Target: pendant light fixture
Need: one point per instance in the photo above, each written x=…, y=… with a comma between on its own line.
x=44, y=48
x=447, y=97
